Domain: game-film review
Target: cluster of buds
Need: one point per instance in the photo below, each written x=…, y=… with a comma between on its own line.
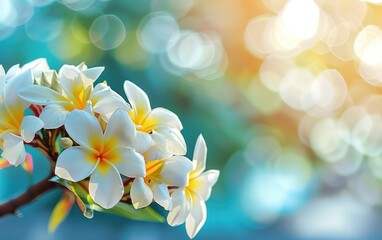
x=108, y=154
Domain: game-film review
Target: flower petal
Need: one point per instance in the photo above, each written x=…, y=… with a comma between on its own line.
x=106, y=101
x=93, y=73
x=106, y=187
x=13, y=149
x=29, y=126
x=142, y=142
x=155, y=153
x=84, y=128
x=2, y=81
x=181, y=206
x=175, y=171
x=38, y=66
x=102, y=91
x=202, y=184
x=2, y=71
x=74, y=85
x=161, y=195
x=11, y=87
x=137, y=98
x=13, y=71
x=164, y=117
x=128, y=162
x=107, y=106
x=82, y=66
x=120, y=130
x=141, y=194
x=69, y=76
x=41, y=95
x=53, y=116
x=200, y=156
x=7, y=119
x=88, y=107
x=75, y=164
x=197, y=217
x=170, y=140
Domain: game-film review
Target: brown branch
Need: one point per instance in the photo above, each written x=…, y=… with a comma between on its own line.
x=32, y=193
x=47, y=147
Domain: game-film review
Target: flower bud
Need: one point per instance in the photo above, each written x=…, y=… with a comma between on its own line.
x=66, y=142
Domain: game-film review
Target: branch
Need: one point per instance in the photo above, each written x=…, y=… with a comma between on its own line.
x=32, y=193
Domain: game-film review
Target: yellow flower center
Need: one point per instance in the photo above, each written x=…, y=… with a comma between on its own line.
x=142, y=122
x=104, y=161
x=11, y=122
x=153, y=170
x=78, y=97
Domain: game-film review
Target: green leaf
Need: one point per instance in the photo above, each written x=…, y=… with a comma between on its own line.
x=61, y=210
x=83, y=199
x=128, y=211
x=87, y=205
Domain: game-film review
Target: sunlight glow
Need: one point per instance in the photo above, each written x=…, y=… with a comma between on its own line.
x=301, y=18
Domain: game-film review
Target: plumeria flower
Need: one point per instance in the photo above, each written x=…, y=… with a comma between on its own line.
x=101, y=155
x=157, y=126
x=37, y=67
x=161, y=171
x=15, y=128
x=74, y=92
x=188, y=203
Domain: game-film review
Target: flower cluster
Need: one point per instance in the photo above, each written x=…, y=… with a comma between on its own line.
x=120, y=151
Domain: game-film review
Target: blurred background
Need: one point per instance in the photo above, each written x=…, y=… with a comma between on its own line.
x=286, y=93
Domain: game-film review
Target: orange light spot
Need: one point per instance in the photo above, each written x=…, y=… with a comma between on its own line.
x=28, y=164
x=4, y=163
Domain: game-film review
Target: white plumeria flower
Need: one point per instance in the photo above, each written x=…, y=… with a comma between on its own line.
x=37, y=67
x=188, y=203
x=76, y=90
x=157, y=126
x=15, y=128
x=161, y=171
x=101, y=155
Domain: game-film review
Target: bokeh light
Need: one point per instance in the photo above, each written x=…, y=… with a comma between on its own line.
x=156, y=31
x=107, y=32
